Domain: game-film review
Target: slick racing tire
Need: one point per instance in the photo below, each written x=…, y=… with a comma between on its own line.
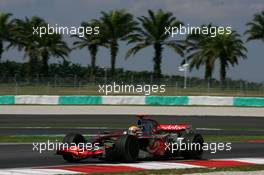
x=127, y=148
x=111, y=155
x=196, y=142
x=70, y=139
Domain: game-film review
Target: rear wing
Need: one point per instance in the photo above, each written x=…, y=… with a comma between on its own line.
x=173, y=127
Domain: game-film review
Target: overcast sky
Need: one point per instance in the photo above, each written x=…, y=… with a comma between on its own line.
x=235, y=13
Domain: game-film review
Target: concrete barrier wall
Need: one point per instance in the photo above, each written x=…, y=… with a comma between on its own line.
x=139, y=100
x=36, y=99
x=133, y=100
x=248, y=101
x=7, y=99
x=166, y=100
x=80, y=100
x=209, y=100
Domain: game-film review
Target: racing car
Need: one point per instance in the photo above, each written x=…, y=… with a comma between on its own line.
x=147, y=136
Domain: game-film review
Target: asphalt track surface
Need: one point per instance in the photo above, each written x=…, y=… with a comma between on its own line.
x=21, y=155
x=92, y=124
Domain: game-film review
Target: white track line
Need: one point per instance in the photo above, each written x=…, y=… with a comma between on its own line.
x=250, y=160
x=209, y=129
x=160, y=165
x=36, y=171
x=48, y=127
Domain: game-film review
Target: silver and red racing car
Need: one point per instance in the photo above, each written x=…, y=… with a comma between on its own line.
x=147, y=136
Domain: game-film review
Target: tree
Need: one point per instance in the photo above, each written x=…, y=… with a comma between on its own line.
x=152, y=33
x=227, y=48
x=195, y=44
x=51, y=45
x=116, y=26
x=27, y=41
x=5, y=30
x=92, y=42
x=256, y=27
x=38, y=48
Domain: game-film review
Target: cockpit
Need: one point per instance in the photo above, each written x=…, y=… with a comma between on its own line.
x=146, y=125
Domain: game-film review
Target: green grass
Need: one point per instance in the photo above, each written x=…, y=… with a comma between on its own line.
x=11, y=89
x=53, y=138
x=187, y=171
x=228, y=138
x=29, y=139
x=60, y=124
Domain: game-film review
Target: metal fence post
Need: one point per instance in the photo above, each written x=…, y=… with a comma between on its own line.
x=79, y=89
x=208, y=86
x=132, y=79
x=16, y=85
x=74, y=80
x=55, y=80
x=48, y=88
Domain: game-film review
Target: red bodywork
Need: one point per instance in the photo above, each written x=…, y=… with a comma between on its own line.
x=84, y=153
x=80, y=153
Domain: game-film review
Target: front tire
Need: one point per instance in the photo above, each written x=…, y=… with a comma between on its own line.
x=127, y=148
x=70, y=139
x=196, y=151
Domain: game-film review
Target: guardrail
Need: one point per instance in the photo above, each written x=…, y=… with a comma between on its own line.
x=132, y=100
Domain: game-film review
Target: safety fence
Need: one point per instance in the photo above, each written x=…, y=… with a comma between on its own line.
x=174, y=86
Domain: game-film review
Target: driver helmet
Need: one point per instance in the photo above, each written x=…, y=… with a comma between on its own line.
x=140, y=116
x=132, y=130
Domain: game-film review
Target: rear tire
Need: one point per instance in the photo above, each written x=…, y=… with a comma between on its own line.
x=70, y=139
x=197, y=151
x=127, y=148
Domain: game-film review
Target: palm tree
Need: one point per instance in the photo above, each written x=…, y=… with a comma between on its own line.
x=195, y=44
x=152, y=33
x=256, y=27
x=92, y=42
x=227, y=48
x=116, y=26
x=38, y=48
x=5, y=30
x=25, y=40
x=51, y=45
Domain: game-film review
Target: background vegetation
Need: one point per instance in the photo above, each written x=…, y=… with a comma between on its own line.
x=201, y=51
